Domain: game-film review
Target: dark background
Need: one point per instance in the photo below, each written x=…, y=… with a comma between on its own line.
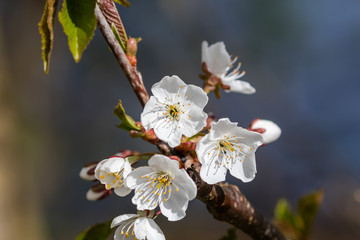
x=303, y=58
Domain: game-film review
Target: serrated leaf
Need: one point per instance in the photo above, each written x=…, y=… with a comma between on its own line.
x=127, y=122
x=78, y=20
x=46, y=29
x=100, y=231
x=123, y=2
x=307, y=209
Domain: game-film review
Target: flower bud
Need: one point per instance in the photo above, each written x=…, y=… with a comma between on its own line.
x=131, y=47
x=97, y=192
x=88, y=171
x=268, y=129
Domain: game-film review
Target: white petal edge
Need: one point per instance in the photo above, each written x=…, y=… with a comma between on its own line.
x=146, y=228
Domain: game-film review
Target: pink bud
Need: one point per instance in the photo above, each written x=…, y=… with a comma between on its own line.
x=97, y=192
x=131, y=47
x=268, y=129
x=88, y=171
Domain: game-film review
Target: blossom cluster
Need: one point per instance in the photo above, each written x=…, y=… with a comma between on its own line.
x=175, y=115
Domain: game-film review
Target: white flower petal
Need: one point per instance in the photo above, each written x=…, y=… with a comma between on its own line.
x=168, y=131
x=244, y=170
x=112, y=165
x=161, y=162
x=138, y=176
x=193, y=122
x=84, y=173
x=168, y=88
x=146, y=228
x=117, y=221
x=216, y=57
x=196, y=96
x=213, y=173
x=222, y=127
x=185, y=184
x=122, y=190
x=151, y=113
x=272, y=130
x=239, y=86
x=174, y=208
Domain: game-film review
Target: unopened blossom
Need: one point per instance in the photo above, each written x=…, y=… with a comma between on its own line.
x=140, y=226
x=228, y=147
x=87, y=172
x=219, y=63
x=176, y=109
x=268, y=129
x=162, y=184
x=111, y=172
x=97, y=192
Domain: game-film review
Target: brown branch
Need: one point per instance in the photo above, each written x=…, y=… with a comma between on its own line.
x=226, y=203
x=132, y=74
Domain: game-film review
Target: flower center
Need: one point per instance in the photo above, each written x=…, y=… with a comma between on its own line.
x=173, y=112
x=162, y=181
x=225, y=145
x=111, y=180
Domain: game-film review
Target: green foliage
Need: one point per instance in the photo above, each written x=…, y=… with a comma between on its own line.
x=298, y=225
x=128, y=123
x=123, y=2
x=46, y=29
x=100, y=231
x=230, y=235
x=78, y=20
x=118, y=37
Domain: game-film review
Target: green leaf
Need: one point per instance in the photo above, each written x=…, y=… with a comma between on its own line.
x=100, y=231
x=123, y=2
x=46, y=29
x=118, y=37
x=307, y=209
x=127, y=122
x=78, y=20
x=283, y=213
x=230, y=235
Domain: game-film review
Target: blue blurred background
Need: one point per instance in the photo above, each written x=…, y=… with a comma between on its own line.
x=303, y=58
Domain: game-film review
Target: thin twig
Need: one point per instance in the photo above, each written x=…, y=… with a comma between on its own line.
x=132, y=74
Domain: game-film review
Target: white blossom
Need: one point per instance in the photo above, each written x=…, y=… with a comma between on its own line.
x=174, y=110
x=111, y=172
x=228, y=147
x=139, y=226
x=268, y=129
x=162, y=184
x=218, y=62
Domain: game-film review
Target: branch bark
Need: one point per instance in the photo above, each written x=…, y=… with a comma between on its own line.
x=224, y=201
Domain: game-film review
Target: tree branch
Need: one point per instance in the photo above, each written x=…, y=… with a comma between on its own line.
x=132, y=74
x=224, y=201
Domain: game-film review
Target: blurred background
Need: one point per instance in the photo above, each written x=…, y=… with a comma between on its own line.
x=303, y=58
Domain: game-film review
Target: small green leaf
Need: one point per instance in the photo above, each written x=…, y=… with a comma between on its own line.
x=230, y=235
x=78, y=20
x=100, y=231
x=127, y=122
x=118, y=37
x=123, y=2
x=46, y=29
x=307, y=209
